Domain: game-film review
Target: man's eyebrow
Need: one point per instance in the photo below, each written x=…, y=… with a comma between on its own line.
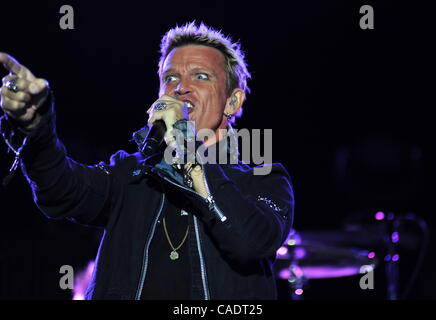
x=208, y=70
x=194, y=69
x=168, y=71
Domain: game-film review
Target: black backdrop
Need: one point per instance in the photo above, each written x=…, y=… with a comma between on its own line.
x=349, y=108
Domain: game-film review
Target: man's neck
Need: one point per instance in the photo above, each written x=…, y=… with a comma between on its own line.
x=220, y=134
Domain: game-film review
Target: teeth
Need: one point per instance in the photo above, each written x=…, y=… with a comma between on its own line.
x=189, y=105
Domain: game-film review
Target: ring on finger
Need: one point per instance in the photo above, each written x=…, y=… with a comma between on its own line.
x=12, y=84
x=160, y=106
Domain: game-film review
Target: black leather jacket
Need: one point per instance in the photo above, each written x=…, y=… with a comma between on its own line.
x=234, y=234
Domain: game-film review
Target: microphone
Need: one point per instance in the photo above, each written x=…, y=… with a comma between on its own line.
x=154, y=138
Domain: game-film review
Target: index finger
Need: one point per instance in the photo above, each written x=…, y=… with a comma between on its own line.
x=14, y=66
x=169, y=98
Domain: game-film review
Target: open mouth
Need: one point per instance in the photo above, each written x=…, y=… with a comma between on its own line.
x=189, y=105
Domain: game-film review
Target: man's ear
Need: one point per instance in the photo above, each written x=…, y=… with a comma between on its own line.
x=234, y=102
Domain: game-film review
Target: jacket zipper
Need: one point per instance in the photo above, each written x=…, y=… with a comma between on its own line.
x=212, y=204
x=147, y=245
x=200, y=252
x=202, y=264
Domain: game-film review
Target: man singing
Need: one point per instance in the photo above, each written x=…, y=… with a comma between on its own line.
x=194, y=231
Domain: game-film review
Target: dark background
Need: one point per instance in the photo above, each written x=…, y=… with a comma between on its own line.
x=350, y=111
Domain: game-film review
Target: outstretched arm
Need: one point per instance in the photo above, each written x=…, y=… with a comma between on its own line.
x=62, y=188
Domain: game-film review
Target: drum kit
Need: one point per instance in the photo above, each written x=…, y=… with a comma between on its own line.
x=356, y=249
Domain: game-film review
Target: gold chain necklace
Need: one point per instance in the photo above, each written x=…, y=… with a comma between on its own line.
x=174, y=254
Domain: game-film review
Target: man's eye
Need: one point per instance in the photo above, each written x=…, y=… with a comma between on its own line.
x=202, y=76
x=170, y=79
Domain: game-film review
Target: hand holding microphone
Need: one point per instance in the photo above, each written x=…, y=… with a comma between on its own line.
x=163, y=113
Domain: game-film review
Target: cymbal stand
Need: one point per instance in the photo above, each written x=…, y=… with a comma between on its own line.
x=392, y=257
x=296, y=281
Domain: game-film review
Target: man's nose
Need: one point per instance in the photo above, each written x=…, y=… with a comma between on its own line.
x=182, y=88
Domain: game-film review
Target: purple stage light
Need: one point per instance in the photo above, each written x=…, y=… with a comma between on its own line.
x=297, y=271
x=284, y=274
x=324, y=272
x=371, y=255
x=282, y=251
x=396, y=257
x=81, y=281
x=379, y=215
x=299, y=253
x=388, y=257
x=299, y=292
x=395, y=237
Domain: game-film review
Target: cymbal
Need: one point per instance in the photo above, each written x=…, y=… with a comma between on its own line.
x=341, y=238
x=318, y=261
x=372, y=237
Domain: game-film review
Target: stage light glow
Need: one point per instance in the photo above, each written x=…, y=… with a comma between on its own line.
x=291, y=242
x=282, y=251
x=82, y=280
x=379, y=215
x=78, y=296
x=284, y=274
x=299, y=253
